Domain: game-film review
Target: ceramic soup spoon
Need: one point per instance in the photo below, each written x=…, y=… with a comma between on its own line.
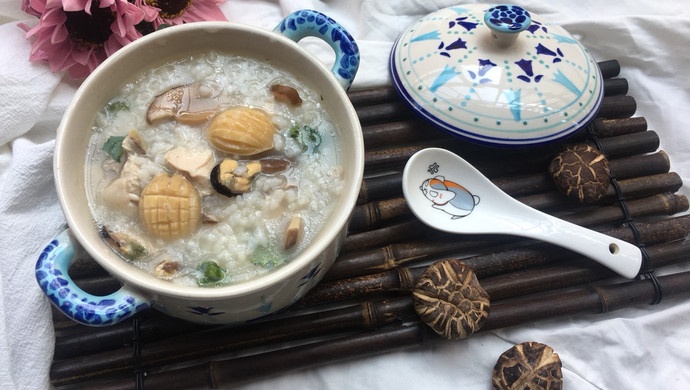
x=447, y=193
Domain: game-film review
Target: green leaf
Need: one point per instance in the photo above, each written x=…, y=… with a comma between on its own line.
x=212, y=273
x=267, y=257
x=307, y=136
x=115, y=106
x=113, y=146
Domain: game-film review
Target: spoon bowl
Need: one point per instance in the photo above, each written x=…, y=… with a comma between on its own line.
x=447, y=193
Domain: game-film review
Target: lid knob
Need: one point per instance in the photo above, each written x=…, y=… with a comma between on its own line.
x=506, y=21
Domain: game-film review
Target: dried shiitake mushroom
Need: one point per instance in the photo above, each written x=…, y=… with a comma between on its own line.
x=528, y=366
x=287, y=95
x=450, y=300
x=581, y=172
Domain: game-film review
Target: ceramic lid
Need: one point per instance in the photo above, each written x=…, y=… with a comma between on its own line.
x=496, y=75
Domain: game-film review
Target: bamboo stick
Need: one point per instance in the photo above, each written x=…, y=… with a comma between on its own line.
x=614, y=106
x=403, y=280
x=499, y=280
x=415, y=130
x=369, y=317
x=619, y=126
x=623, y=168
x=615, y=86
x=425, y=250
x=510, y=161
x=371, y=314
x=369, y=96
x=372, y=214
x=632, y=188
x=220, y=373
x=609, y=68
x=89, y=342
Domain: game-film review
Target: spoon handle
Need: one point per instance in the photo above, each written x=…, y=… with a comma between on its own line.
x=618, y=255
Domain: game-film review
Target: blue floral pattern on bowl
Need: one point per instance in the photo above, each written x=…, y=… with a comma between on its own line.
x=470, y=71
x=301, y=24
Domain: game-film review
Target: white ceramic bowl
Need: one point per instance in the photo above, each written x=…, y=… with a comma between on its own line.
x=228, y=304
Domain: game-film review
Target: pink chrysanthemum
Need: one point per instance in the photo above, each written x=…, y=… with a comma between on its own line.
x=77, y=35
x=34, y=7
x=175, y=12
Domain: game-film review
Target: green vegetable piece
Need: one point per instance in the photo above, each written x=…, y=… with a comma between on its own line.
x=267, y=257
x=116, y=106
x=212, y=273
x=113, y=146
x=132, y=250
x=307, y=136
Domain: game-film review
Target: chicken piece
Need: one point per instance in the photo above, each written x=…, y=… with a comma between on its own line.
x=196, y=166
x=123, y=193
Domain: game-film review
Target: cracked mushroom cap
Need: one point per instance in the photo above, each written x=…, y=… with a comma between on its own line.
x=450, y=300
x=581, y=172
x=528, y=366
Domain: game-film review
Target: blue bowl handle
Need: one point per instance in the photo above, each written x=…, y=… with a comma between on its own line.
x=309, y=23
x=88, y=309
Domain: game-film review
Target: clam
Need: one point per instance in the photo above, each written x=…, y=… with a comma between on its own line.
x=232, y=177
x=124, y=244
x=170, y=206
x=191, y=104
x=242, y=131
x=167, y=268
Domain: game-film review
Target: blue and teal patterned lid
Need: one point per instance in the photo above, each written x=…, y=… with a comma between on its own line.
x=496, y=75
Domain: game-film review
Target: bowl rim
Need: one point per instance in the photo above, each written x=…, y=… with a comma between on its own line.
x=134, y=277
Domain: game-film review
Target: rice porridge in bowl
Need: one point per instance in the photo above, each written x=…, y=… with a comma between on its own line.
x=207, y=120
x=211, y=168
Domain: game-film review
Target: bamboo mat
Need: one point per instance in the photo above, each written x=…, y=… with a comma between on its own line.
x=363, y=307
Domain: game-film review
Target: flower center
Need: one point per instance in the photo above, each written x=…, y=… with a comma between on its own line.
x=90, y=30
x=170, y=8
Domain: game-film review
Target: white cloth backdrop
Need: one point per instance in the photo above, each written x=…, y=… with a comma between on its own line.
x=638, y=348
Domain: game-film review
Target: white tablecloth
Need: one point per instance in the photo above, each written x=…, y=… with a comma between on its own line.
x=637, y=348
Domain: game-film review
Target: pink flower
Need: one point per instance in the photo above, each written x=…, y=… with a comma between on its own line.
x=77, y=35
x=34, y=7
x=175, y=12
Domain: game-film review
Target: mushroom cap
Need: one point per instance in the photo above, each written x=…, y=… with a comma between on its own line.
x=450, y=300
x=528, y=366
x=581, y=172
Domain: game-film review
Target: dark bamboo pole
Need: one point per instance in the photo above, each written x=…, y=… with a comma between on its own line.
x=373, y=214
x=485, y=264
x=639, y=165
x=509, y=161
x=202, y=341
x=220, y=373
x=403, y=132
x=403, y=280
x=632, y=188
x=368, y=315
